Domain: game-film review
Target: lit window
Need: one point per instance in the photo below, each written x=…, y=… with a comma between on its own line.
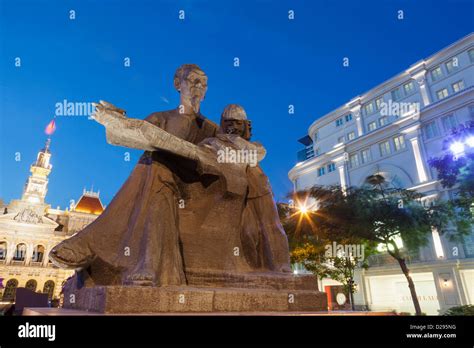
x=339, y=122
x=442, y=93
x=384, y=148
x=396, y=94
x=378, y=103
x=383, y=121
x=365, y=156
x=471, y=55
x=448, y=123
x=452, y=65
x=458, y=86
x=348, y=117
x=321, y=171
x=436, y=73
x=331, y=167
x=430, y=130
x=368, y=108
x=354, y=160
x=399, y=142
x=351, y=136
x=409, y=88
x=372, y=126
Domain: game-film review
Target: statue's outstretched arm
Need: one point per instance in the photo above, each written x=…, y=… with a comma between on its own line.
x=143, y=135
x=139, y=134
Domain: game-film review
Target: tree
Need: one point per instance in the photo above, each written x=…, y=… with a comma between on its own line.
x=315, y=251
x=377, y=215
x=321, y=259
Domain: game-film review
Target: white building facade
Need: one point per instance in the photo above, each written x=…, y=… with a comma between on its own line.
x=393, y=130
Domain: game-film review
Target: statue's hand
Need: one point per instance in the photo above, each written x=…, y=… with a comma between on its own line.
x=105, y=113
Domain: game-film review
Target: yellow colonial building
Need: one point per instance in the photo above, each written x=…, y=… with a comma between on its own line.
x=30, y=228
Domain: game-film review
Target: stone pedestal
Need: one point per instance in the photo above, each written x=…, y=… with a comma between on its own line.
x=205, y=293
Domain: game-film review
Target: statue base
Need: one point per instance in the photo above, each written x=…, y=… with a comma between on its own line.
x=275, y=294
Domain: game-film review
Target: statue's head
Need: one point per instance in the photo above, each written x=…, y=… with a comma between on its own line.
x=234, y=121
x=191, y=82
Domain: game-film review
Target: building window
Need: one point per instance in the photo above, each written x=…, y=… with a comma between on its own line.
x=442, y=93
x=3, y=250
x=351, y=136
x=315, y=137
x=31, y=285
x=10, y=290
x=339, y=122
x=448, y=122
x=331, y=167
x=452, y=65
x=365, y=156
x=396, y=94
x=378, y=103
x=38, y=254
x=340, y=139
x=372, y=126
x=349, y=118
x=321, y=171
x=399, y=142
x=383, y=121
x=471, y=55
x=458, y=86
x=409, y=88
x=384, y=148
x=48, y=288
x=20, y=252
x=354, y=160
x=368, y=108
x=436, y=73
x=430, y=130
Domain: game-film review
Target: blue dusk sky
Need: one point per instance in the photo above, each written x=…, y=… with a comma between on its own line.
x=282, y=62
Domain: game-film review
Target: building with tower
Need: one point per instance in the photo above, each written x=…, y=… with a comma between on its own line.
x=30, y=228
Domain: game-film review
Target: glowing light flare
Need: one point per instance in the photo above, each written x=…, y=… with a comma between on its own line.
x=470, y=141
x=457, y=148
x=50, y=128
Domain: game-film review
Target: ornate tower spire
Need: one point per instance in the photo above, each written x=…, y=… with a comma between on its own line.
x=37, y=185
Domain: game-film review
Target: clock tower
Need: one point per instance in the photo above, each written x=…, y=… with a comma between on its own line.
x=37, y=185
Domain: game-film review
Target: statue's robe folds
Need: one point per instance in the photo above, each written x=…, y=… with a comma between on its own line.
x=137, y=235
x=178, y=221
x=263, y=239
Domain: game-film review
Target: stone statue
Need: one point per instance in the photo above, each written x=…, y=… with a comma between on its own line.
x=146, y=244
x=195, y=217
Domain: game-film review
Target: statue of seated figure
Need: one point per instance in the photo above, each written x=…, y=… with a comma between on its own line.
x=224, y=218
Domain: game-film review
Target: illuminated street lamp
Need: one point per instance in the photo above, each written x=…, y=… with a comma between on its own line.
x=457, y=148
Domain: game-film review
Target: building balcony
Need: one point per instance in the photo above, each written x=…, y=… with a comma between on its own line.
x=385, y=259
x=305, y=154
x=17, y=263
x=36, y=264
